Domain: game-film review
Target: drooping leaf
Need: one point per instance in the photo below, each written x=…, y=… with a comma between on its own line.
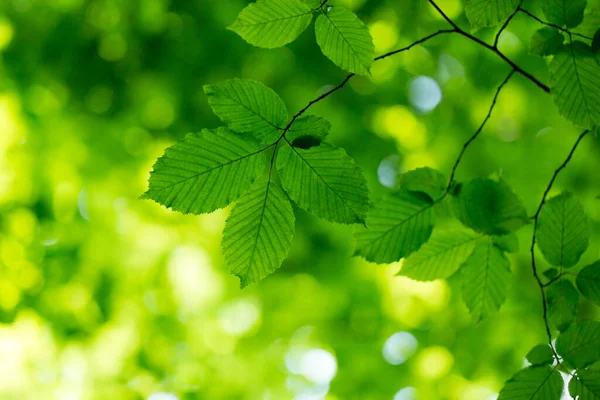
x=248, y=106
x=546, y=42
x=397, y=225
x=486, y=279
x=205, y=171
x=272, y=23
x=311, y=126
x=575, y=83
x=585, y=385
x=345, y=40
x=580, y=344
x=562, y=299
x=325, y=181
x=564, y=12
x=489, y=207
x=508, y=243
x=533, y=383
x=258, y=233
x=425, y=180
x=563, y=233
x=482, y=13
x=588, y=282
x=540, y=355
x=440, y=257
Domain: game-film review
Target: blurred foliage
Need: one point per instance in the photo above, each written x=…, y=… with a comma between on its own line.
x=104, y=296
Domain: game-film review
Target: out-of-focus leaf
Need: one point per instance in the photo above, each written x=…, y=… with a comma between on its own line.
x=564, y=12
x=546, y=42
x=562, y=298
x=508, y=243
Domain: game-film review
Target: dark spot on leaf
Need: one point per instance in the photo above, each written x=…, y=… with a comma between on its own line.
x=306, y=142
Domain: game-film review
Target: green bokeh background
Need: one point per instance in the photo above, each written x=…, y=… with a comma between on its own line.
x=104, y=296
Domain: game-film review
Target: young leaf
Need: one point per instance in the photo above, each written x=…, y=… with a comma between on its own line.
x=489, y=207
x=562, y=299
x=546, y=42
x=580, y=344
x=533, y=383
x=564, y=12
x=440, y=257
x=563, y=233
x=258, y=233
x=205, y=171
x=575, y=83
x=540, y=355
x=397, y=225
x=482, y=13
x=425, y=180
x=486, y=278
x=272, y=23
x=248, y=106
x=588, y=282
x=309, y=126
x=325, y=181
x=585, y=385
x=345, y=40
x=508, y=243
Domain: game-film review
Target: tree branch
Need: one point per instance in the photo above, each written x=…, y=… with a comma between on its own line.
x=534, y=237
x=503, y=27
x=552, y=25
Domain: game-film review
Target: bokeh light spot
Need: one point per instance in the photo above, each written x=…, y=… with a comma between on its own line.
x=399, y=347
x=424, y=93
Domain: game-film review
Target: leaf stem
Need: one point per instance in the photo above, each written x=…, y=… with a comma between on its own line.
x=534, y=237
x=529, y=14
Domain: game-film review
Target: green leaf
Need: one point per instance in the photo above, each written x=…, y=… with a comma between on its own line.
x=489, y=207
x=580, y=344
x=564, y=12
x=588, y=282
x=575, y=83
x=424, y=180
x=258, y=233
x=248, y=106
x=397, y=225
x=440, y=257
x=585, y=385
x=596, y=42
x=482, y=13
x=313, y=3
x=563, y=233
x=205, y=171
x=562, y=299
x=591, y=22
x=540, y=355
x=309, y=126
x=325, y=181
x=486, y=279
x=533, y=383
x=546, y=42
x=272, y=23
x=551, y=273
x=508, y=243
x=345, y=40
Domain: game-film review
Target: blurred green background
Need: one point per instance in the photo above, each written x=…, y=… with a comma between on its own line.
x=104, y=296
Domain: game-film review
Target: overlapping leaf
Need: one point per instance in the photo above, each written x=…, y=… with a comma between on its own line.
x=489, y=207
x=248, y=106
x=588, y=282
x=575, y=83
x=533, y=383
x=540, y=355
x=440, y=257
x=308, y=127
x=508, y=243
x=272, y=23
x=425, y=180
x=205, y=171
x=325, y=181
x=482, y=13
x=564, y=12
x=563, y=233
x=397, y=225
x=258, y=233
x=580, y=344
x=345, y=40
x=546, y=42
x=562, y=298
x=486, y=279
x=585, y=385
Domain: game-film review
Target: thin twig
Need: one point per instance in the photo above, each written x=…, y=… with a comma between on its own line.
x=478, y=132
x=503, y=27
x=529, y=14
x=534, y=237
